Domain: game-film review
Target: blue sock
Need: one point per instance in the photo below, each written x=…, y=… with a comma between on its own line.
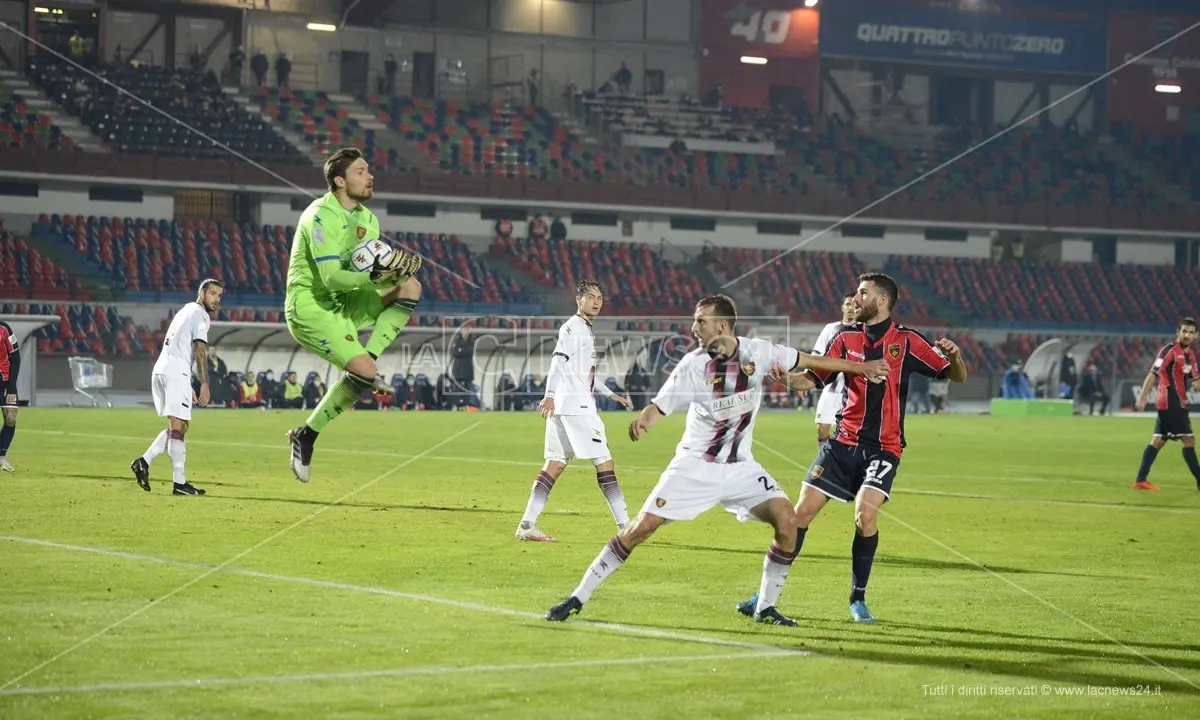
x=6, y=438
x=1189, y=457
x=1148, y=456
x=862, y=556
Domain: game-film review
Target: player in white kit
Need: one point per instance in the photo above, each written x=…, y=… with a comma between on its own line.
x=573, y=427
x=721, y=385
x=171, y=384
x=831, y=395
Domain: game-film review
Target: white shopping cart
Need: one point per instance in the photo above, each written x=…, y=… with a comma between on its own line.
x=90, y=374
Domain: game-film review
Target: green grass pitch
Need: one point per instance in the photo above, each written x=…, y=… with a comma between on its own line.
x=1018, y=576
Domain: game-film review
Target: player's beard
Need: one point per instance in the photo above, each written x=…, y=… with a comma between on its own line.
x=867, y=315
x=361, y=196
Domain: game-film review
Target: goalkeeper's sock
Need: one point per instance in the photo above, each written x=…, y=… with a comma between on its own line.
x=389, y=324
x=341, y=397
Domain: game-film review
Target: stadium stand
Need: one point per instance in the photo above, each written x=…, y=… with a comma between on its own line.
x=21, y=128
x=1066, y=296
x=129, y=126
x=25, y=272
x=149, y=260
x=322, y=122
x=809, y=286
x=643, y=283
x=1175, y=157
x=497, y=140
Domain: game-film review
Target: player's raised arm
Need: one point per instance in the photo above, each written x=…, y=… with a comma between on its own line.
x=677, y=393
x=831, y=366
x=958, y=366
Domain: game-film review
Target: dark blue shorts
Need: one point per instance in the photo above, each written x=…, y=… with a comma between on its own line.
x=840, y=471
x=1173, y=424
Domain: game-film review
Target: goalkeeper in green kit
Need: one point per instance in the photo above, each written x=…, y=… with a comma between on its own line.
x=328, y=301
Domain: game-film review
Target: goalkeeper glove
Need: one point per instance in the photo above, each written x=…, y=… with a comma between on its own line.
x=400, y=264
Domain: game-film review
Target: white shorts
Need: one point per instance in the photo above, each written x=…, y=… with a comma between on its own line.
x=172, y=396
x=576, y=436
x=827, y=407
x=691, y=486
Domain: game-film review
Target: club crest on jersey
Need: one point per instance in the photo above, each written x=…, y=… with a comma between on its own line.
x=748, y=367
x=659, y=502
x=893, y=352
x=349, y=338
x=362, y=232
x=817, y=472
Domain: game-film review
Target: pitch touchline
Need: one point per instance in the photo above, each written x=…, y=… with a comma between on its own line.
x=656, y=471
x=375, y=590
x=237, y=557
x=387, y=673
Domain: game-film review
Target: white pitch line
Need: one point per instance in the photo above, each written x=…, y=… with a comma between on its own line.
x=656, y=471
x=388, y=673
x=1047, y=501
x=431, y=599
x=235, y=558
x=531, y=464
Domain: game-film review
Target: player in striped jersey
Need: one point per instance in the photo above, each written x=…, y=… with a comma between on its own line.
x=832, y=394
x=1173, y=371
x=720, y=385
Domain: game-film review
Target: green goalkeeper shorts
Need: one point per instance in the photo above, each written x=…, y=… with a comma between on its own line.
x=330, y=327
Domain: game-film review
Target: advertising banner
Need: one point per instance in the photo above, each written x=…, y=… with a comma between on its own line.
x=1136, y=96
x=992, y=34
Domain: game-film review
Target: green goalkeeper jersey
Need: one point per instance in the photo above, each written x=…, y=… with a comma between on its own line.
x=325, y=236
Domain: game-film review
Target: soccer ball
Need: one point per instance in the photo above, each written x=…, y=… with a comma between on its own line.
x=363, y=257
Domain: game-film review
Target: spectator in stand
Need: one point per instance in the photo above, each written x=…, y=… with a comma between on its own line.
x=537, y=228
x=314, y=390
x=425, y=392
x=1091, y=390
x=250, y=392
x=76, y=47
x=558, y=229
x=118, y=55
x=506, y=396
x=293, y=392
x=919, y=398
x=462, y=367
x=389, y=75
x=272, y=392
x=259, y=65
x=939, y=392
x=283, y=71
x=637, y=382
x=534, y=86
x=367, y=401
x=1068, y=376
x=623, y=77
x=196, y=60
x=221, y=392
x=237, y=64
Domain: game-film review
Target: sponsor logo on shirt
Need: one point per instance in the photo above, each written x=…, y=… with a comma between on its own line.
x=362, y=232
x=318, y=236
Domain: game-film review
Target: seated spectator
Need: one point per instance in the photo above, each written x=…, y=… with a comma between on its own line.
x=314, y=390
x=293, y=392
x=250, y=393
x=271, y=390
x=366, y=401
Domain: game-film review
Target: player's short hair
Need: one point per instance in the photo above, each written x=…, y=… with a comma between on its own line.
x=583, y=287
x=338, y=162
x=849, y=296
x=885, y=284
x=723, y=307
x=1183, y=322
x=210, y=282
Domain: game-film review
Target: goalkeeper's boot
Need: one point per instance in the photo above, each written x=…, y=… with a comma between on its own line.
x=565, y=609
x=771, y=616
x=382, y=387
x=746, y=607
x=860, y=614
x=141, y=471
x=301, y=440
